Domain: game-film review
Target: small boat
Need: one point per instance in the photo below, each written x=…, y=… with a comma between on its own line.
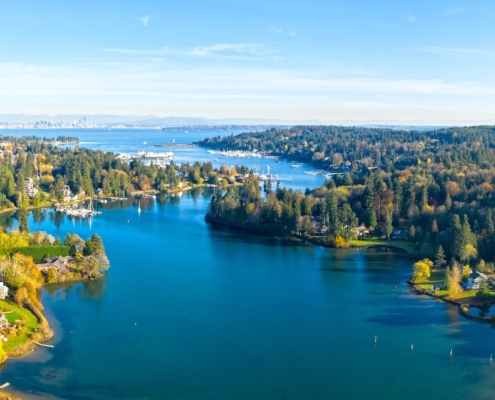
x=139, y=207
x=144, y=142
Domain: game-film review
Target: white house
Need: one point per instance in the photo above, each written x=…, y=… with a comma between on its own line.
x=475, y=279
x=30, y=188
x=4, y=291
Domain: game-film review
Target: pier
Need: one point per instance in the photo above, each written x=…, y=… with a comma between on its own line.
x=44, y=345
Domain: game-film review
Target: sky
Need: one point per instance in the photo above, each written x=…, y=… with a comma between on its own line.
x=413, y=62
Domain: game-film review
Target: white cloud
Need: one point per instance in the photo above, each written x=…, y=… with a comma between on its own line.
x=251, y=48
x=200, y=51
x=280, y=31
x=411, y=18
x=231, y=91
x=458, y=10
x=457, y=51
x=145, y=20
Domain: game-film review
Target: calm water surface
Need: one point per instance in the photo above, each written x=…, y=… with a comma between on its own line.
x=131, y=141
x=190, y=312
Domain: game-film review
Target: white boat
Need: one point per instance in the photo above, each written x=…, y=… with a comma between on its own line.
x=139, y=207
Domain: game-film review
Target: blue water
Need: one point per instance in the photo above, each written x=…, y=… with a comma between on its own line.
x=192, y=312
x=131, y=141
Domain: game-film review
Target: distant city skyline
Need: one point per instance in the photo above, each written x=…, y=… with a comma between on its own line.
x=361, y=62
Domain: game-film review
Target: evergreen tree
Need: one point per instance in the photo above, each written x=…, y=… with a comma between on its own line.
x=440, y=260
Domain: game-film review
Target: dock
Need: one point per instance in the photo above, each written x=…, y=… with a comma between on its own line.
x=44, y=345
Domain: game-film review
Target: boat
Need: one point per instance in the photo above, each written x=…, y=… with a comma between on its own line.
x=296, y=165
x=139, y=207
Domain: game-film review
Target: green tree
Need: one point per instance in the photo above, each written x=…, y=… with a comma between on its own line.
x=440, y=260
x=468, y=252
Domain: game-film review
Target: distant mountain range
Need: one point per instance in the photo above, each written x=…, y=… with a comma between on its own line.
x=151, y=120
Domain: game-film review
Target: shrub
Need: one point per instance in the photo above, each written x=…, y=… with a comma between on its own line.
x=39, y=253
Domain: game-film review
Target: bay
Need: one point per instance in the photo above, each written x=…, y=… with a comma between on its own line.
x=132, y=141
x=192, y=312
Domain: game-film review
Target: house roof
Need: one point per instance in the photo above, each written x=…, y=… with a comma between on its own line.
x=477, y=274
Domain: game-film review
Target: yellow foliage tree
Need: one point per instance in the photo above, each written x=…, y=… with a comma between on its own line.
x=20, y=296
x=340, y=242
x=9, y=241
x=453, y=279
x=422, y=269
x=3, y=355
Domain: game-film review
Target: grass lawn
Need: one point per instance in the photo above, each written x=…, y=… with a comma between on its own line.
x=18, y=312
x=407, y=246
x=437, y=277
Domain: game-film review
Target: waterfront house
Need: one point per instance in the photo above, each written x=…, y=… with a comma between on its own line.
x=400, y=234
x=68, y=196
x=62, y=264
x=361, y=231
x=474, y=281
x=4, y=291
x=4, y=323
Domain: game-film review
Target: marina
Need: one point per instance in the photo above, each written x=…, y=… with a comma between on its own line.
x=77, y=210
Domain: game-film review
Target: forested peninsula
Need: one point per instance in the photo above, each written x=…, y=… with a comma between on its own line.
x=36, y=172
x=431, y=193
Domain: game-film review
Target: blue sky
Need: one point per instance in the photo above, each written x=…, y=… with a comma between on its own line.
x=335, y=61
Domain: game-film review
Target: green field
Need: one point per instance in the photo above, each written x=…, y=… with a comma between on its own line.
x=17, y=314
x=399, y=244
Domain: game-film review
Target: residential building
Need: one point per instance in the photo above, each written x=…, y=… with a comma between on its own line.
x=59, y=263
x=4, y=323
x=4, y=291
x=29, y=187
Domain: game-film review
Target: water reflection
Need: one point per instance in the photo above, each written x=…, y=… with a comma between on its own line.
x=90, y=290
x=7, y=220
x=39, y=215
x=93, y=290
x=57, y=218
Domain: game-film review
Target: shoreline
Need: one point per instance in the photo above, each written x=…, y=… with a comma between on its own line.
x=462, y=306
x=314, y=241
